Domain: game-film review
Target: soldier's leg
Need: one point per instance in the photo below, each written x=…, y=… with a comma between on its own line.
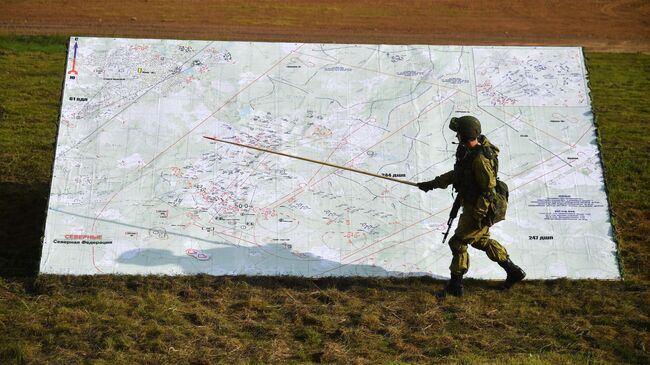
x=458, y=267
x=464, y=234
x=460, y=257
x=494, y=250
x=498, y=253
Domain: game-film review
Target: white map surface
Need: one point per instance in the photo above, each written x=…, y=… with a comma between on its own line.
x=137, y=189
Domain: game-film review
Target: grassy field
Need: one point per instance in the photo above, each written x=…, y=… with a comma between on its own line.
x=203, y=319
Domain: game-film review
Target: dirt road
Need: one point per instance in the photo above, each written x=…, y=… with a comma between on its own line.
x=616, y=26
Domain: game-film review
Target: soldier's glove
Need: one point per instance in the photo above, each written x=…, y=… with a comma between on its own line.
x=429, y=185
x=426, y=186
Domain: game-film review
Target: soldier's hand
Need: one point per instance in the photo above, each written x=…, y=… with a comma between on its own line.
x=426, y=186
x=430, y=185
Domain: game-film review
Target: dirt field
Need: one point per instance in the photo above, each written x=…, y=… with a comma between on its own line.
x=612, y=26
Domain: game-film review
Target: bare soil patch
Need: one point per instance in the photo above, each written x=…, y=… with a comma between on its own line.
x=613, y=26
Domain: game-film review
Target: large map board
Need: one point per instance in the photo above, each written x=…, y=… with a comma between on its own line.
x=137, y=189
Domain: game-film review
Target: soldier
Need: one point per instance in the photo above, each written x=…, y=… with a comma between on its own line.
x=474, y=178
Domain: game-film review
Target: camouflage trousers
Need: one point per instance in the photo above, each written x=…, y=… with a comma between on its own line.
x=468, y=233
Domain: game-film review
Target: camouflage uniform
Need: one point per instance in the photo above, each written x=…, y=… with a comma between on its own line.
x=474, y=178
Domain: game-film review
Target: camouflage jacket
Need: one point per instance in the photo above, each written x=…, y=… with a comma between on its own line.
x=473, y=176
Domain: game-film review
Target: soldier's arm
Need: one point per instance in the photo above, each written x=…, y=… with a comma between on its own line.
x=440, y=182
x=486, y=181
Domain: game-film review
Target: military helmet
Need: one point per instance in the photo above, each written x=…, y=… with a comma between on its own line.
x=466, y=126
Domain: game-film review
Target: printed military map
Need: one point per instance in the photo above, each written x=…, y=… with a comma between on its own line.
x=136, y=188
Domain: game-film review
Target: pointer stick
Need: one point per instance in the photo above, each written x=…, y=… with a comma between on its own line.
x=314, y=161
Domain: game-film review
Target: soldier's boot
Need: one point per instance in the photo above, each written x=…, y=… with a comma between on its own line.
x=454, y=287
x=515, y=273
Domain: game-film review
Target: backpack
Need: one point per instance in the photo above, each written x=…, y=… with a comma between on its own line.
x=498, y=198
x=498, y=204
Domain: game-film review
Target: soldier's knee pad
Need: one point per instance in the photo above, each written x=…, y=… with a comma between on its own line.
x=457, y=245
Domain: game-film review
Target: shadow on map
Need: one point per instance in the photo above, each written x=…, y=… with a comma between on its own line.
x=232, y=260
x=272, y=259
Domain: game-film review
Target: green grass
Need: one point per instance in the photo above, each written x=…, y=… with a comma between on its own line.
x=620, y=86
x=203, y=319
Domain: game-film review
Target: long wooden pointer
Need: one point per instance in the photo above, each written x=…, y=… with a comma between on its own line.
x=313, y=161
